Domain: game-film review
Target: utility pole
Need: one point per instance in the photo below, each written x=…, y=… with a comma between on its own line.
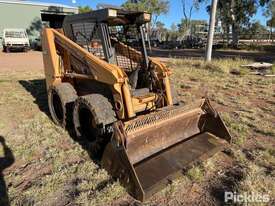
x=211, y=31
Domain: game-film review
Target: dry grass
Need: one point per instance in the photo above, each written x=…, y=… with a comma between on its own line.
x=247, y=105
x=51, y=169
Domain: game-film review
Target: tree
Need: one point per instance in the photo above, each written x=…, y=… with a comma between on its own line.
x=235, y=14
x=195, y=26
x=173, y=34
x=155, y=7
x=159, y=33
x=270, y=14
x=254, y=29
x=187, y=14
x=84, y=9
x=269, y=8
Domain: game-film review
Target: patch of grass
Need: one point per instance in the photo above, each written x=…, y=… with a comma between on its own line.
x=257, y=182
x=265, y=129
x=239, y=130
x=267, y=157
x=196, y=173
x=4, y=80
x=217, y=65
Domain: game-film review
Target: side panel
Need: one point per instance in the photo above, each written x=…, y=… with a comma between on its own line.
x=99, y=69
x=55, y=43
x=50, y=59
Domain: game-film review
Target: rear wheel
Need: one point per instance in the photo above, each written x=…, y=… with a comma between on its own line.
x=92, y=117
x=6, y=49
x=60, y=100
x=25, y=49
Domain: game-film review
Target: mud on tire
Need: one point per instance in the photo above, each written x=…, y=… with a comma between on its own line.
x=93, y=114
x=60, y=100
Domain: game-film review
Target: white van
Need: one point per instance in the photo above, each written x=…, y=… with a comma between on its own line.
x=15, y=39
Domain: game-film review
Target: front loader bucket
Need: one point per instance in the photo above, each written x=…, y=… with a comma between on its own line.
x=148, y=152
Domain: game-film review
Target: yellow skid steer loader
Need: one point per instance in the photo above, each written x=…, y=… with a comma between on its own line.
x=102, y=83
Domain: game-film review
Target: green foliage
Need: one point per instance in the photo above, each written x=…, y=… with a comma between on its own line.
x=196, y=173
x=254, y=28
x=237, y=13
x=155, y=7
x=269, y=7
x=186, y=24
x=160, y=25
x=194, y=25
x=84, y=9
x=270, y=13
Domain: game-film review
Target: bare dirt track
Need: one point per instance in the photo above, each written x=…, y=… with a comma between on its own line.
x=44, y=166
x=19, y=61
x=217, y=54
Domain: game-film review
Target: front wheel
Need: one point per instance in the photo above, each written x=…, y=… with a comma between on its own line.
x=6, y=49
x=93, y=116
x=61, y=98
x=25, y=49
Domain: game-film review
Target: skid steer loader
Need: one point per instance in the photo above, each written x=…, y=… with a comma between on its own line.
x=100, y=78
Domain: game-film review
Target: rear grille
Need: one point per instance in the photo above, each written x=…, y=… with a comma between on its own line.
x=17, y=44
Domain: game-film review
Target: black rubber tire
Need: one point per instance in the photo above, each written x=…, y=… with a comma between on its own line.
x=25, y=49
x=7, y=49
x=61, y=99
x=93, y=114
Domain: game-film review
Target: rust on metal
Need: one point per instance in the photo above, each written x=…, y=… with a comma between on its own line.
x=155, y=148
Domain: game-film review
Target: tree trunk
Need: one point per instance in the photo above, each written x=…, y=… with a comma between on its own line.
x=235, y=35
x=271, y=32
x=227, y=34
x=235, y=26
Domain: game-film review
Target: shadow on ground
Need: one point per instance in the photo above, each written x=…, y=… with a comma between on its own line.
x=37, y=88
x=229, y=182
x=5, y=162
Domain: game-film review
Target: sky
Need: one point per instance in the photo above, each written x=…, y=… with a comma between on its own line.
x=174, y=15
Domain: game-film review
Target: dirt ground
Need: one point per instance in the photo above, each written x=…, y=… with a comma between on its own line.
x=18, y=61
x=263, y=56
x=40, y=164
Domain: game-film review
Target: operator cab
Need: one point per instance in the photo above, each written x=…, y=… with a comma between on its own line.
x=116, y=36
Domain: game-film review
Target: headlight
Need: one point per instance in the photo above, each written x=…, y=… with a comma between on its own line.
x=147, y=17
x=144, y=17
x=112, y=13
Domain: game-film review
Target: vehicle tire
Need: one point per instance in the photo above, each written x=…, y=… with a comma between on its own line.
x=61, y=99
x=25, y=49
x=7, y=49
x=93, y=117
